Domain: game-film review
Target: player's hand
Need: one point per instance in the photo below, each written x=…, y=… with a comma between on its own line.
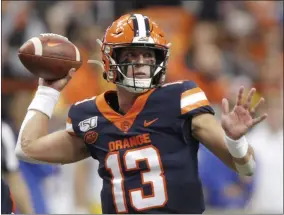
x=237, y=122
x=58, y=84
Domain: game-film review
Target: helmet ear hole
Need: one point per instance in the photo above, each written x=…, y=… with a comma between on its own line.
x=160, y=56
x=116, y=53
x=104, y=75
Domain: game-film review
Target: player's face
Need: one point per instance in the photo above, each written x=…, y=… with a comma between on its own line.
x=139, y=56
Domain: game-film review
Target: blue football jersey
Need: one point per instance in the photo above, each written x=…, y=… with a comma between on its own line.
x=147, y=157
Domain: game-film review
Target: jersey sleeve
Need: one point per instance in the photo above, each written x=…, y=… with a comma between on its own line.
x=69, y=122
x=193, y=101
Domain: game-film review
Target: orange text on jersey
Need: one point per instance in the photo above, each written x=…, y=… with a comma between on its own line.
x=126, y=143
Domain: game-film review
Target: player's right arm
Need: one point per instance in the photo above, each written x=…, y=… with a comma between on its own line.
x=34, y=143
x=57, y=147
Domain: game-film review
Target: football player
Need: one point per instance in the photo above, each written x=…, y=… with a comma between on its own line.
x=14, y=190
x=145, y=134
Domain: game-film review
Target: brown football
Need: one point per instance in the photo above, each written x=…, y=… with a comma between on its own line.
x=50, y=56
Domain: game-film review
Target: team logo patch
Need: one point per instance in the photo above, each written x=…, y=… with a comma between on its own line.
x=125, y=125
x=88, y=124
x=90, y=137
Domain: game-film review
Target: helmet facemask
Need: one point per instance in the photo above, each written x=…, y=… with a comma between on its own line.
x=135, y=84
x=133, y=31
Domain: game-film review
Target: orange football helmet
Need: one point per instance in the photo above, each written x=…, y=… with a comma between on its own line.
x=134, y=30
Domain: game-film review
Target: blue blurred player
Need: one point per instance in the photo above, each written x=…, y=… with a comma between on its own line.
x=15, y=197
x=146, y=134
x=224, y=188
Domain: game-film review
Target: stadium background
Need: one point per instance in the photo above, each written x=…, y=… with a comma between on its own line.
x=220, y=45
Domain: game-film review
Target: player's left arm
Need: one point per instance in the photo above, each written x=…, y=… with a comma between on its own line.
x=227, y=141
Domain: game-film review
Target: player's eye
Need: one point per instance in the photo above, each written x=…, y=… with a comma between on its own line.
x=130, y=54
x=148, y=55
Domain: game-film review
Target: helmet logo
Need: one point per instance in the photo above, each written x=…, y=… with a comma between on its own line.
x=143, y=39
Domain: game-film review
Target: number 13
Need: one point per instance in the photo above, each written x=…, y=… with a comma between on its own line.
x=153, y=176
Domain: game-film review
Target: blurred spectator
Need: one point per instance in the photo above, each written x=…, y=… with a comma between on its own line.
x=88, y=194
x=59, y=187
x=78, y=23
x=209, y=10
x=7, y=200
x=11, y=174
x=267, y=141
x=157, y=3
x=34, y=175
x=223, y=188
x=204, y=62
x=21, y=22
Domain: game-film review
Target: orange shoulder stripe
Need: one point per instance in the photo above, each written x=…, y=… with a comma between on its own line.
x=194, y=106
x=190, y=92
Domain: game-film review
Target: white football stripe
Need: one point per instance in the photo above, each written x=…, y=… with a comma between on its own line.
x=69, y=127
x=191, y=99
x=78, y=57
x=37, y=45
x=141, y=25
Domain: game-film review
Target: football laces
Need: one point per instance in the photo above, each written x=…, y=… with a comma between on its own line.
x=51, y=34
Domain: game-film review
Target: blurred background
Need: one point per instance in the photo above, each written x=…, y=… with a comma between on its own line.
x=218, y=44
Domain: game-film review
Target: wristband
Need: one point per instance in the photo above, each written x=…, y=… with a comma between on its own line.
x=246, y=169
x=237, y=148
x=45, y=100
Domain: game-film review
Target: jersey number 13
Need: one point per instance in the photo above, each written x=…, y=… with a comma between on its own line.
x=153, y=176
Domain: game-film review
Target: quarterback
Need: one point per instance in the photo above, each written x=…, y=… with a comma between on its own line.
x=145, y=134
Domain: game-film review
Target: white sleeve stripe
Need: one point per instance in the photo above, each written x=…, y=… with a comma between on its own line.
x=8, y=141
x=192, y=99
x=69, y=127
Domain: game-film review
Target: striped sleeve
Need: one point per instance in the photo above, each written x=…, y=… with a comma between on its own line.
x=69, y=126
x=193, y=100
x=69, y=122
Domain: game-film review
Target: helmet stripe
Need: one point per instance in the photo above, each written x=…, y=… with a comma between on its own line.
x=141, y=25
x=135, y=25
x=147, y=25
